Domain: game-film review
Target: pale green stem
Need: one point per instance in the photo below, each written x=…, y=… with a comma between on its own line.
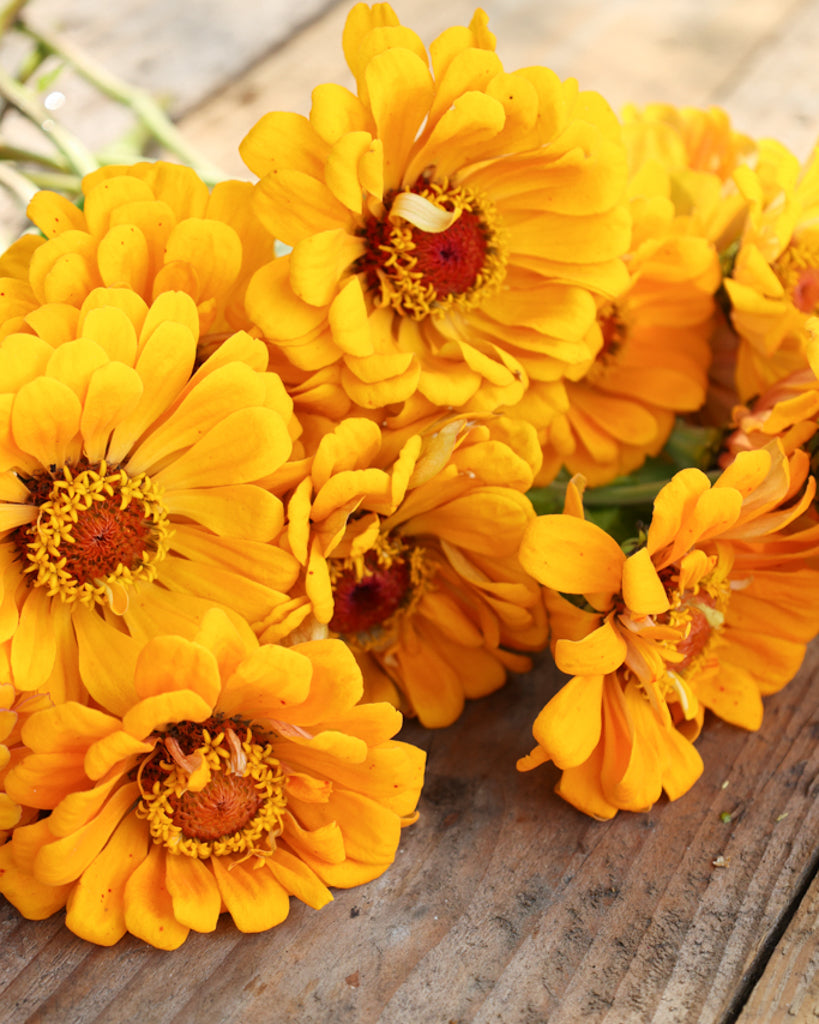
x=27, y=156
x=10, y=13
x=79, y=157
x=20, y=186
x=144, y=107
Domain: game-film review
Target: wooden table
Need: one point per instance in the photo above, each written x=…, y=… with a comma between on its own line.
x=504, y=906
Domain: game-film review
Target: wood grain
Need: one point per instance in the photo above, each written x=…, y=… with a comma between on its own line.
x=504, y=904
x=789, y=986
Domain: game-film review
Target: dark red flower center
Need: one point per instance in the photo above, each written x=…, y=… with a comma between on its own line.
x=362, y=603
x=451, y=260
x=106, y=536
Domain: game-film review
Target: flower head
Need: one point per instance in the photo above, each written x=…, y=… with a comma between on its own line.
x=713, y=608
x=773, y=286
x=652, y=355
x=214, y=774
x=149, y=228
x=450, y=225
x=131, y=492
x=405, y=560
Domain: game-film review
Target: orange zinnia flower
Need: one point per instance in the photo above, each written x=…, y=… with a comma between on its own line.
x=215, y=774
x=713, y=608
x=450, y=227
x=409, y=546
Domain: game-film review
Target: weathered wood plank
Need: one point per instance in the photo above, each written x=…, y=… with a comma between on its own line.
x=504, y=904
x=789, y=987
x=689, y=52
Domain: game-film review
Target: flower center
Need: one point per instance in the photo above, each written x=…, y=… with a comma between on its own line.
x=798, y=270
x=215, y=794
x=614, y=330
x=97, y=531
x=370, y=592
x=438, y=247
x=699, y=615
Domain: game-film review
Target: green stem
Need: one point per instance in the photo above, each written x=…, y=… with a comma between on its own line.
x=618, y=495
x=79, y=157
x=27, y=156
x=10, y=13
x=18, y=184
x=144, y=107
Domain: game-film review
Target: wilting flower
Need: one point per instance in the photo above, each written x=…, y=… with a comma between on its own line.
x=149, y=228
x=214, y=775
x=409, y=545
x=130, y=494
x=653, y=355
x=450, y=229
x=712, y=608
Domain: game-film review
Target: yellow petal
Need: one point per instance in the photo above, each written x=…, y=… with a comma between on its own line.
x=568, y=728
x=643, y=590
x=254, y=899
x=163, y=709
x=169, y=663
x=571, y=555
x=194, y=893
x=148, y=905
x=245, y=446
x=95, y=908
x=45, y=419
x=603, y=650
x=65, y=859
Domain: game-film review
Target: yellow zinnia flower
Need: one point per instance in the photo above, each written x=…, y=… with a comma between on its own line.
x=410, y=556
x=129, y=484
x=214, y=775
x=653, y=354
x=150, y=228
x=773, y=284
x=450, y=228
x=714, y=608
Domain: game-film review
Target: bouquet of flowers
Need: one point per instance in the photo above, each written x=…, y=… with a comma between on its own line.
x=472, y=367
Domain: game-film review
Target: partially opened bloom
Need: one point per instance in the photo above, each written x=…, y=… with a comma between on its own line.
x=409, y=547
x=450, y=226
x=713, y=608
x=130, y=494
x=149, y=228
x=214, y=775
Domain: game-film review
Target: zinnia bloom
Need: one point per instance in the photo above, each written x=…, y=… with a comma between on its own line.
x=450, y=228
x=773, y=284
x=653, y=354
x=148, y=227
x=214, y=775
x=129, y=489
x=410, y=556
x=712, y=608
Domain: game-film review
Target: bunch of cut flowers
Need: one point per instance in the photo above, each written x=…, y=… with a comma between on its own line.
x=472, y=367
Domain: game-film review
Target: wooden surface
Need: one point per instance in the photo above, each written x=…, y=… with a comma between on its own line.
x=504, y=906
